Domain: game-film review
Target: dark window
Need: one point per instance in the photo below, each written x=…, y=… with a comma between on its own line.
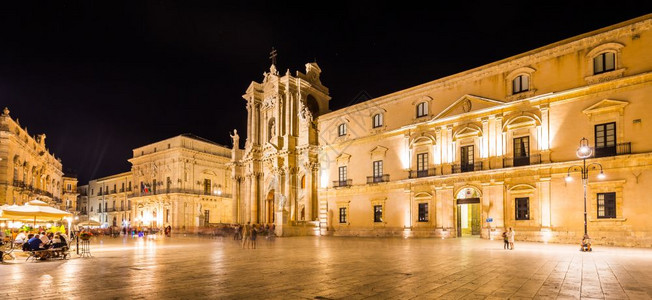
x=207, y=217
x=522, y=208
x=342, y=174
x=168, y=181
x=207, y=186
x=606, y=205
x=378, y=169
x=154, y=186
x=423, y=212
x=342, y=214
x=341, y=130
x=521, y=151
x=378, y=120
x=467, y=158
x=422, y=109
x=605, y=139
x=521, y=84
x=378, y=213
x=604, y=62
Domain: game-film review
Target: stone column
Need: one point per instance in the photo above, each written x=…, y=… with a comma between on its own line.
x=308, y=191
x=254, y=198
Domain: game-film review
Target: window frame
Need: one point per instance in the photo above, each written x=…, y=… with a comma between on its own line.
x=342, y=173
x=605, y=150
x=602, y=57
x=612, y=210
x=342, y=215
x=377, y=169
x=422, y=109
x=518, y=210
x=378, y=213
x=422, y=212
x=521, y=88
x=341, y=129
x=377, y=120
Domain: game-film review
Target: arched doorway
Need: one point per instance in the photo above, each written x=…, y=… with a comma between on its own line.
x=468, y=212
x=269, y=207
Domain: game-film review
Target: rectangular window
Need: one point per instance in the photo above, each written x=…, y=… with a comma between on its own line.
x=605, y=139
x=422, y=109
x=167, y=185
x=207, y=186
x=422, y=161
x=604, y=62
x=378, y=213
x=378, y=169
x=520, y=84
x=606, y=205
x=342, y=174
x=423, y=212
x=154, y=186
x=342, y=214
x=521, y=151
x=207, y=217
x=129, y=186
x=378, y=120
x=522, y=208
x=68, y=187
x=467, y=158
x=341, y=129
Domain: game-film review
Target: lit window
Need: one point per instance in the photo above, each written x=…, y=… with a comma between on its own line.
x=378, y=213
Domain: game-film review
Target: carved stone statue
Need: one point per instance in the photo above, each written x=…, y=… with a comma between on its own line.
x=306, y=115
x=236, y=139
x=282, y=201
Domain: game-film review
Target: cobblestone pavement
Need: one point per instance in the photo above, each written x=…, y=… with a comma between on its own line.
x=332, y=268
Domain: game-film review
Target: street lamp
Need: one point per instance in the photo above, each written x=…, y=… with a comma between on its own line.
x=584, y=152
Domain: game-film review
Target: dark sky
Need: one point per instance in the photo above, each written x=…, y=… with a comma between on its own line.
x=102, y=78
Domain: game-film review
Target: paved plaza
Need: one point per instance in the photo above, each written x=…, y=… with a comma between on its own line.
x=332, y=268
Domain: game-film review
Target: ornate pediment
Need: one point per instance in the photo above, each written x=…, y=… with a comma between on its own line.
x=606, y=106
x=343, y=159
x=378, y=151
x=466, y=104
x=422, y=195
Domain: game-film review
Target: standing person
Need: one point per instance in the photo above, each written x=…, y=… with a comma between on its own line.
x=246, y=230
x=510, y=235
x=254, y=234
x=505, y=240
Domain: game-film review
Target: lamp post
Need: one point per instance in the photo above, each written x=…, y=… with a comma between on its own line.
x=584, y=152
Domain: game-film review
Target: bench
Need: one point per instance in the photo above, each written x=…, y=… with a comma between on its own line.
x=61, y=253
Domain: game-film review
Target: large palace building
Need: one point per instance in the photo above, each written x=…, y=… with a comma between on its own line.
x=469, y=154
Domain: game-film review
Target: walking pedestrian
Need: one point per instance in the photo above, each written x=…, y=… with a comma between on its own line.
x=510, y=236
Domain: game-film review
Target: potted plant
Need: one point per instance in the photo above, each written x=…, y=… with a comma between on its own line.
x=85, y=235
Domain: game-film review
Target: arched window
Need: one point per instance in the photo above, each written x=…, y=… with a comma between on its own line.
x=520, y=83
x=604, y=62
x=422, y=109
x=377, y=120
x=341, y=129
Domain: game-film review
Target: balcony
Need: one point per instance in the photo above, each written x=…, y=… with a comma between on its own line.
x=509, y=162
x=122, y=190
x=99, y=193
x=470, y=167
x=113, y=191
x=377, y=179
x=112, y=209
x=619, y=149
x=423, y=173
x=342, y=183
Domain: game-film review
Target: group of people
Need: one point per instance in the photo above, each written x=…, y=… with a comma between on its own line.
x=44, y=241
x=249, y=233
x=508, y=239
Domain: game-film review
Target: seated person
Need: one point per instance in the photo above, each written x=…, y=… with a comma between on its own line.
x=21, y=238
x=35, y=243
x=46, y=241
x=586, y=243
x=58, y=242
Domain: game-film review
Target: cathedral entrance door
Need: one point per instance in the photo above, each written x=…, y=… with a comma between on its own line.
x=468, y=217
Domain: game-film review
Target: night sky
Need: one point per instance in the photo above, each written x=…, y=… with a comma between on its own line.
x=103, y=78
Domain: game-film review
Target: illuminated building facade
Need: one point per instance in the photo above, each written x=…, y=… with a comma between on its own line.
x=490, y=148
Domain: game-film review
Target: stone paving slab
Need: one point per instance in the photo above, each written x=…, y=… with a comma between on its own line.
x=332, y=268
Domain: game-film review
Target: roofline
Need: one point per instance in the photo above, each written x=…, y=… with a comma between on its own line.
x=645, y=17
x=186, y=135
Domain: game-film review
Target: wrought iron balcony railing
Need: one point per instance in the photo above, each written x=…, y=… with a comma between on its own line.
x=377, y=179
x=423, y=173
x=342, y=183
